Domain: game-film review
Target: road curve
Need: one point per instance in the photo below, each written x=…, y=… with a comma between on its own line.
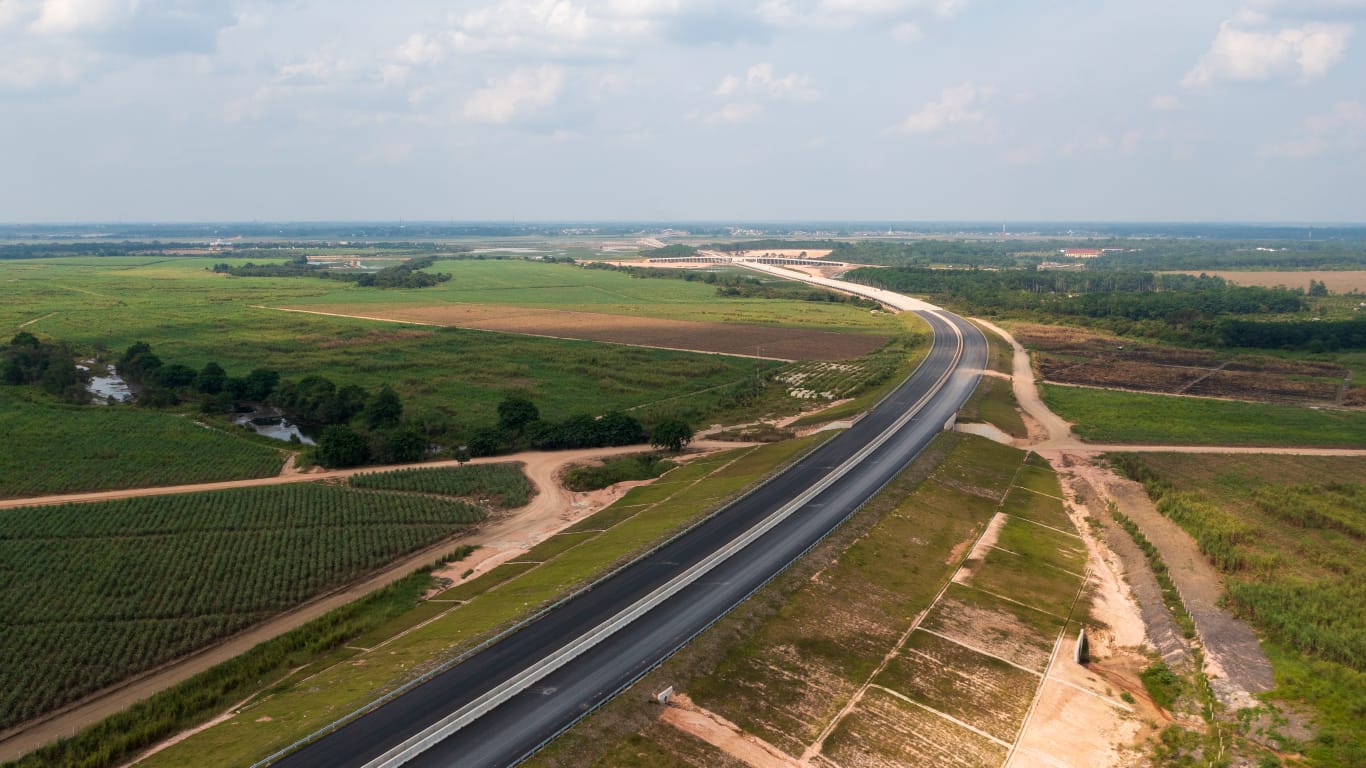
x=796, y=509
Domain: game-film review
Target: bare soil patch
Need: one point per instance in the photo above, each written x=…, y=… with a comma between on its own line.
x=1338, y=282
x=1078, y=356
x=771, y=342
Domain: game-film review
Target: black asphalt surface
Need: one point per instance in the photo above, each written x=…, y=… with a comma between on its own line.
x=521, y=725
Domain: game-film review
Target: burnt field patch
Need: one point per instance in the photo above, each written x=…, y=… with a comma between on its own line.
x=1086, y=358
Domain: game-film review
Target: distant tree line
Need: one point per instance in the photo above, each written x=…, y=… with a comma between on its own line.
x=1174, y=307
x=676, y=250
x=738, y=285
x=770, y=244
x=409, y=274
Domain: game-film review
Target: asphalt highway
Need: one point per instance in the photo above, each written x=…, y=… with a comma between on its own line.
x=524, y=721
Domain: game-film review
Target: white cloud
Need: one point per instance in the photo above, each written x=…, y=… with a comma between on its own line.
x=1342, y=128
x=957, y=105
x=849, y=13
x=907, y=32
x=1250, y=46
x=1165, y=103
x=761, y=81
x=521, y=92
x=735, y=112
x=552, y=27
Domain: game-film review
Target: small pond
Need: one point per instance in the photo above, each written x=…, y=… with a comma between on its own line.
x=272, y=423
x=108, y=388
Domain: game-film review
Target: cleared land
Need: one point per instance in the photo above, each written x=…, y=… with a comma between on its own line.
x=1338, y=282
x=1083, y=357
x=66, y=449
x=97, y=592
x=718, y=338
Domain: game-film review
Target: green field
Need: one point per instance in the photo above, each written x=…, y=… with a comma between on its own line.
x=1289, y=533
x=66, y=449
x=496, y=485
x=1105, y=416
x=192, y=316
x=93, y=593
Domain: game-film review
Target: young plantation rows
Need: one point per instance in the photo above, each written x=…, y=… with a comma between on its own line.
x=65, y=449
x=824, y=381
x=499, y=485
x=92, y=593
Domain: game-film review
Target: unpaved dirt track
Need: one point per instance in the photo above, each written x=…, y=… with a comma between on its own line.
x=1234, y=660
x=500, y=537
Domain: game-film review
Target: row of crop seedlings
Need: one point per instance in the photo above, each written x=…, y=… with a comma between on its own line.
x=91, y=593
x=981, y=651
x=505, y=482
x=822, y=380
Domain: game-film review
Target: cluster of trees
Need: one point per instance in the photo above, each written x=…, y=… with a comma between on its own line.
x=165, y=384
x=373, y=433
x=521, y=427
x=409, y=274
x=47, y=365
x=1169, y=306
x=1307, y=335
x=676, y=250
x=969, y=253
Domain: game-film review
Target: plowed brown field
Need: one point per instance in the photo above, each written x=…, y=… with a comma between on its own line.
x=720, y=338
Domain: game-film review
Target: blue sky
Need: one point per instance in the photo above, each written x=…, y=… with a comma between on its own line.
x=683, y=110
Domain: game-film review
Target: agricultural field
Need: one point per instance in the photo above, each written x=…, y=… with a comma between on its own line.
x=52, y=449
x=718, y=338
x=1288, y=533
x=1337, y=281
x=192, y=316
x=1105, y=416
x=96, y=592
x=901, y=643
x=460, y=616
x=502, y=486
x=1083, y=357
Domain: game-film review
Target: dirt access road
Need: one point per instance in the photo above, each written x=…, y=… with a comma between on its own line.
x=1234, y=661
x=500, y=538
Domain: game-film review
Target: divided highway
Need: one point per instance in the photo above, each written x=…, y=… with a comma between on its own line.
x=501, y=703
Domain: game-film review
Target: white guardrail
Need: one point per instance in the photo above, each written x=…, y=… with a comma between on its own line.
x=439, y=731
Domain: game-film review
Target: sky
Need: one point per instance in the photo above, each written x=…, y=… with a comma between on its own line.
x=683, y=110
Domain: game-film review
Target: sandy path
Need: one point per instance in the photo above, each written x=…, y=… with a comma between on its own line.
x=1234, y=660
x=726, y=736
x=500, y=538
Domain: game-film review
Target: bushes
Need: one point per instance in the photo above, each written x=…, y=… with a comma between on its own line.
x=645, y=466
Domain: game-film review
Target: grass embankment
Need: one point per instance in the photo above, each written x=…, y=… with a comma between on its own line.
x=784, y=664
x=52, y=448
x=1105, y=416
x=490, y=485
x=643, y=466
x=97, y=592
x=403, y=646
x=1288, y=532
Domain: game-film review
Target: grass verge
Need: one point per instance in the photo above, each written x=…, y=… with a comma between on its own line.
x=1106, y=416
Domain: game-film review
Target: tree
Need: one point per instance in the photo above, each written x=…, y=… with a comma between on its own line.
x=1318, y=288
x=398, y=446
x=671, y=435
x=342, y=446
x=259, y=384
x=515, y=412
x=485, y=442
x=174, y=376
x=24, y=339
x=385, y=410
x=210, y=379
